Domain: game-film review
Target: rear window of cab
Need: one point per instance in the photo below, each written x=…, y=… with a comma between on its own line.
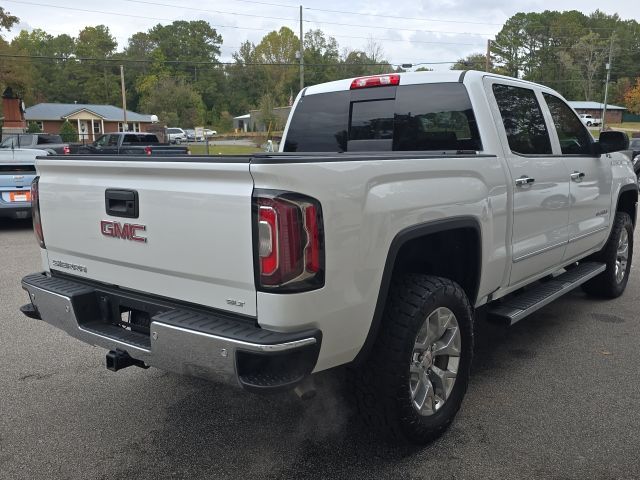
x=426, y=117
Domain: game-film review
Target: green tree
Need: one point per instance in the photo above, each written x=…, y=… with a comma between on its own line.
x=473, y=61
x=279, y=48
x=68, y=132
x=246, y=83
x=33, y=128
x=268, y=117
x=175, y=102
x=7, y=20
x=192, y=46
x=586, y=58
x=99, y=79
x=321, y=57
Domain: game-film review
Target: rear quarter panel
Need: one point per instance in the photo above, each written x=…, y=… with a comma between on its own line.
x=365, y=204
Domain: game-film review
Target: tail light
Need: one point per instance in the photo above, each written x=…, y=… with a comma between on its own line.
x=147, y=150
x=35, y=211
x=66, y=150
x=289, y=242
x=375, y=81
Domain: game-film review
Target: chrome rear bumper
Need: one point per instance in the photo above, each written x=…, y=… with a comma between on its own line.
x=190, y=342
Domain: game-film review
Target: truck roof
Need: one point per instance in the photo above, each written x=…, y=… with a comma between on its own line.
x=412, y=78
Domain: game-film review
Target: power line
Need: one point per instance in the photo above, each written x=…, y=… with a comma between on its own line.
x=181, y=7
x=184, y=62
x=404, y=40
x=61, y=7
x=395, y=28
x=422, y=19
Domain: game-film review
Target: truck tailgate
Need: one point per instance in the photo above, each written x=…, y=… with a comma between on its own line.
x=193, y=240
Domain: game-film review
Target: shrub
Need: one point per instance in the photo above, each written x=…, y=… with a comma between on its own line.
x=68, y=133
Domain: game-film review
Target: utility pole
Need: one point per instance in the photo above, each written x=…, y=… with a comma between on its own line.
x=487, y=64
x=606, y=85
x=301, y=52
x=124, y=100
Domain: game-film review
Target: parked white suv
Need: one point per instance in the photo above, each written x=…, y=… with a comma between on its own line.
x=176, y=135
x=402, y=207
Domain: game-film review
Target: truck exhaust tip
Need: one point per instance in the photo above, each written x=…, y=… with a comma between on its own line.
x=119, y=359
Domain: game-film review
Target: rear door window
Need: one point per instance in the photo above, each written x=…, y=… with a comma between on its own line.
x=523, y=120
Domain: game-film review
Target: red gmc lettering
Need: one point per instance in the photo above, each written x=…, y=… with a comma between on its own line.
x=127, y=231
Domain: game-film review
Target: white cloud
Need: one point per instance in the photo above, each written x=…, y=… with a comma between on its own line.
x=483, y=17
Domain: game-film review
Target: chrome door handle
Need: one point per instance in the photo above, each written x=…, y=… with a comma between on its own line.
x=577, y=176
x=524, y=180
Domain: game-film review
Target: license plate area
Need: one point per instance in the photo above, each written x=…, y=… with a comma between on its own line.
x=127, y=313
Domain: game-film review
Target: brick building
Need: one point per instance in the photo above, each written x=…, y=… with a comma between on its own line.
x=595, y=109
x=90, y=121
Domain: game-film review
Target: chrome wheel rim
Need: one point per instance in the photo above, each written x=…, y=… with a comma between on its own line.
x=622, y=256
x=434, y=361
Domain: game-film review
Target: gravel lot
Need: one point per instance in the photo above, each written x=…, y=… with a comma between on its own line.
x=556, y=396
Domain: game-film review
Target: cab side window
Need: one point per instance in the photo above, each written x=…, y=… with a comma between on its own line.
x=574, y=138
x=523, y=120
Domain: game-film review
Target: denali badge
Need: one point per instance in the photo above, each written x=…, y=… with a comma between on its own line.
x=125, y=231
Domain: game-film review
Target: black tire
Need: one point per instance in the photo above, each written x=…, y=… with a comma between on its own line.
x=382, y=383
x=606, y=285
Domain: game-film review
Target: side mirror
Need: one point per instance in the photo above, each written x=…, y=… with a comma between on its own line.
x=612, y=141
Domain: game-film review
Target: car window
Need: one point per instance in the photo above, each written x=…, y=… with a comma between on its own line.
x=129, y=138
x=49, y=139
x=431, y=117
x=9, y=142
x=574, y=138
x=320, y=123
x=435, y=117
x=112, y=140
x=522, y=119
x=149, y=138
x=26, y=140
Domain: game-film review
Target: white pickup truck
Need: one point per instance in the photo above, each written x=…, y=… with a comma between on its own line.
x=401, y=208
x=589, y=120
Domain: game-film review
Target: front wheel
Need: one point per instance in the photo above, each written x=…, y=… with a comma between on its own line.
x=616, y=254
x=416, y=376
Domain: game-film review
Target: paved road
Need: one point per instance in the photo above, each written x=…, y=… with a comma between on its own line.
x=556, y=396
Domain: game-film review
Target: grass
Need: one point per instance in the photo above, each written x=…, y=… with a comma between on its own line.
x=223, y=150
x=633, y=126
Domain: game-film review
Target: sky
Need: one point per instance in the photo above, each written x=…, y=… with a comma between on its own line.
x=435, y=33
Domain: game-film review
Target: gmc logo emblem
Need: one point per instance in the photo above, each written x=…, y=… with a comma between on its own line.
x=126, y=231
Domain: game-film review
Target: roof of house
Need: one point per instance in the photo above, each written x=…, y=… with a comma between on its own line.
x=242, y=117
x=594, y=106
x=59, y=111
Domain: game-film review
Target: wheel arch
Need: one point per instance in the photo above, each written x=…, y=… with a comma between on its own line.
x=628, y=201
x=464, y=229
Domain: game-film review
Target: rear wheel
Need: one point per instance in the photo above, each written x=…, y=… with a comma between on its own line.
x=416, y=376
x=617, y=255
